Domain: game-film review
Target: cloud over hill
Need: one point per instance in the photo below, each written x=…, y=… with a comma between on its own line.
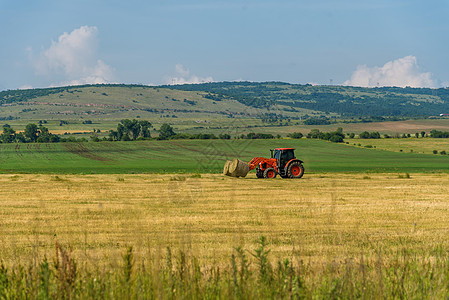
x=73, y=59
x=401, y=72
x=183, y=76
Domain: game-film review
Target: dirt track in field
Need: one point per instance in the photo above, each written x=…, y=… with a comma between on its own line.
x=83, y=151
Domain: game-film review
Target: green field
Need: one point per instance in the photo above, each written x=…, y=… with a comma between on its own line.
x=203, y=156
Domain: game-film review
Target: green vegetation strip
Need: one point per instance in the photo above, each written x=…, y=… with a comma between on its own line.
x=248, y=275
x=202, y=156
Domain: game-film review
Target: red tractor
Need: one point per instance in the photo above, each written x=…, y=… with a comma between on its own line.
x=282, y=162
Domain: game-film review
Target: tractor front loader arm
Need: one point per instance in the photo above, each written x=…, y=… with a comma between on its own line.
x=255, y=162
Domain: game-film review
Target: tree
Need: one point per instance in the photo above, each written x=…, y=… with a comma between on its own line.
x=20, y=137
x=314, y=134
x=423, y=133
x=131, y=127
x=336, y=138
x=8, y=135
x=295, y=135
x=145, y=129
x=375, y=135
x=369, y=135
x=30, y=132
x=113, y=135
x=131, y=130
x=165, y=132
x=44, y=135
x=121, y=132
x=364, y=135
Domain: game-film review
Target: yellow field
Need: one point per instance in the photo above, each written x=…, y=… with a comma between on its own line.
x=321, y=217
x=415, y=145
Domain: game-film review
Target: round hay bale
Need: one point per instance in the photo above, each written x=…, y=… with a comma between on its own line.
x=238, y=168
x=233, y=166
x=226, y=168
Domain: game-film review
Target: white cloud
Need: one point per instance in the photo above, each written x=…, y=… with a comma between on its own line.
x=73, y=59
x=401, y=72
x=26, y=87
x=183, y=77
x=181, y=70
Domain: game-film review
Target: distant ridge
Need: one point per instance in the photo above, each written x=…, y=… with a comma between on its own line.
x=282, y=98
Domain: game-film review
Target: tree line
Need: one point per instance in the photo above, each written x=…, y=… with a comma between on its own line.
x=334, y=136
x=31, y=134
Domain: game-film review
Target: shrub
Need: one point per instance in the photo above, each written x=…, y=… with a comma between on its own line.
x=295, y=135
x=439, y=134
x=255, y=136
x=369, y=135
x=335, y=136
x=435, y=151
x=314, y=121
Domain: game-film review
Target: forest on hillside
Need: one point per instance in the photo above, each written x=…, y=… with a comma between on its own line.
x=343, y=100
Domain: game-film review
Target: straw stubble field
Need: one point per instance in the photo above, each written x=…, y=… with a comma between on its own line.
x=320, y=218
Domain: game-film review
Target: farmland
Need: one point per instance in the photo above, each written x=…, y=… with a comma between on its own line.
x=208, y=156
x=156, y=217
x=321, y=215
x=349, y=231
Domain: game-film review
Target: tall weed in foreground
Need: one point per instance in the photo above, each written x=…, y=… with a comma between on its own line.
x=249, y=274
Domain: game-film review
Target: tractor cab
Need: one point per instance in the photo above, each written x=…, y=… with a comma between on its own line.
x=283, y=156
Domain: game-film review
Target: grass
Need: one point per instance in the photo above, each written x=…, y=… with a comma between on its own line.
x=415, y=145
x=204, y=156
x=180, y=276
x=344, y=236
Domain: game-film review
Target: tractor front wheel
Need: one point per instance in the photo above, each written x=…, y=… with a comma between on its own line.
x=269, y=173
x=259, y=173
x=295, y=170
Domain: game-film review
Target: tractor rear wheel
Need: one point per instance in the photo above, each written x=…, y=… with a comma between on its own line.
x=295, y=170
x=269, y=173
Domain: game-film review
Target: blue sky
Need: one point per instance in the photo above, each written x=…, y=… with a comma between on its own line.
x=352, y=42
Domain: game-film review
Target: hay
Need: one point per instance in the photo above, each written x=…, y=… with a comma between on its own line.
x=238, y=168
x=226, y=168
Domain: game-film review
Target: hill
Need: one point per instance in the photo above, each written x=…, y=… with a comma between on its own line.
x=341, y=100
x=231, y=107
x=229, y=99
